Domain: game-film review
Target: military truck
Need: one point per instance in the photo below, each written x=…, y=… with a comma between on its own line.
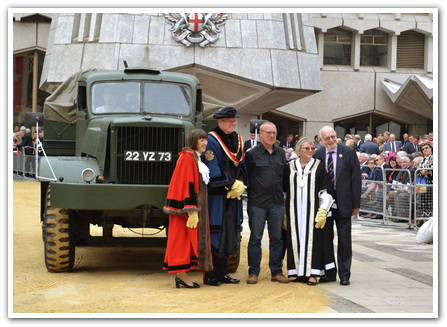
x=111, y=143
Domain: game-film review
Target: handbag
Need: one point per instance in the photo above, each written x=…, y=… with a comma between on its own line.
x=421, y=181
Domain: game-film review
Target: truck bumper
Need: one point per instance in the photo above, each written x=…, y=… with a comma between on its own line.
x=106, y=196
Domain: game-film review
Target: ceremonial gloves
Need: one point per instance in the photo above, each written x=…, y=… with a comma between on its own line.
x=236, y=190
x=326, y=201
x=193, y=219
x=320, y=218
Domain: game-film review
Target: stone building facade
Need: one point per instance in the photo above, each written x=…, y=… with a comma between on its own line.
x=360, y=72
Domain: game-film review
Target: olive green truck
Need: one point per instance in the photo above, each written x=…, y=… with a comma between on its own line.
x=110, y=146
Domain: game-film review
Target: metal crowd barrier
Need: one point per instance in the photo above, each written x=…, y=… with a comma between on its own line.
x=383, y=202
x=24, y=165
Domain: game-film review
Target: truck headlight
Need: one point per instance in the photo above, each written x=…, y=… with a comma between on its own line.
x=88, y=175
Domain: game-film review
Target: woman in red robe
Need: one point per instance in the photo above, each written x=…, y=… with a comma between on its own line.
x=188, y=247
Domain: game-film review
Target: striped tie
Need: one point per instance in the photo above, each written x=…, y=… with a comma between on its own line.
x=330, y=168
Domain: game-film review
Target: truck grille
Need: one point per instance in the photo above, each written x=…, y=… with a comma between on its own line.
x=146, y=139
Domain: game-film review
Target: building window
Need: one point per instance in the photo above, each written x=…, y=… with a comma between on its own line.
x=337, y=47
x=374, y=48
x=410, y=50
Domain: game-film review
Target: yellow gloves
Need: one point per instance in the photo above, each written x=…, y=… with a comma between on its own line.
x=236, y=190
x=320, y=218
x=193, y=219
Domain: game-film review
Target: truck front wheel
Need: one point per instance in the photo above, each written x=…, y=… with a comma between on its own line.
x=58, y=237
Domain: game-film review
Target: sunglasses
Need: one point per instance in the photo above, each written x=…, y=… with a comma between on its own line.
x=309, y=149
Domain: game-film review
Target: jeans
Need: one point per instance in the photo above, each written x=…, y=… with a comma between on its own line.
x=256, y=220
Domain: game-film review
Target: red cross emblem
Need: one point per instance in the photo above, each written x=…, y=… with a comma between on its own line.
x=195, y=22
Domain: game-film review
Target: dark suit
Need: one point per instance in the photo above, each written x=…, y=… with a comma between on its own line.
x=409, y=148
x=283, y=144
x=369, y=148
x=387, y=146
x=247, y=145
x=348, y=185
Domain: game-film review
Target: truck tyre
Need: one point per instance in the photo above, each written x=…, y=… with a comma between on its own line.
x=59, y=243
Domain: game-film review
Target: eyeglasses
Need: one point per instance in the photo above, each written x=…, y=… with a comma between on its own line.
x=327, y=138
x=309, y=149
x=269, y=133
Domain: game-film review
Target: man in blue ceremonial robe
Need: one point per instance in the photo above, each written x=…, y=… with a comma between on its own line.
x=224, y=156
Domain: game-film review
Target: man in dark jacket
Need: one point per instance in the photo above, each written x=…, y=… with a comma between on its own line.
x=347, y=185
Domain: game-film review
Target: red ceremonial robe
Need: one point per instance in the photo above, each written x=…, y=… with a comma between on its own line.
x=187, y=248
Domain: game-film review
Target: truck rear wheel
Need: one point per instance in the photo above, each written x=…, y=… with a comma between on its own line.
x=59, y=243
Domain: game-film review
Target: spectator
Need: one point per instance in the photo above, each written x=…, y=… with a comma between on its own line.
x=399, y=198
x=317, y=142
x=412, y=145
x=347, y=137
x=363, y=161
x=188, y=244
x=267, y=172
x=310, y=199
x=380, y=143
x=426, y=171
x=392, y=174
x=369, y=146
x=252, y=142
x=27, y=148
x=392, y=144
x=357, y=142
x=288, y=143
x=350, y=143
x=405, y=140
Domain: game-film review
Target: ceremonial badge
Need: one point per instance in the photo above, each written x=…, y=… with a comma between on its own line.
x=209, y=155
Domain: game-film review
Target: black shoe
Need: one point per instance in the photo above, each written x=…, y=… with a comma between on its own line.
x=212, y=281
x=301, y=279
x=326, y=279
x=179, y=282
x=227, y=279
x=344, y=282
x=312, y=283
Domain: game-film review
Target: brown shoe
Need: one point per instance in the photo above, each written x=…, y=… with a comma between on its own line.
x=280, y=279
x=252, y=279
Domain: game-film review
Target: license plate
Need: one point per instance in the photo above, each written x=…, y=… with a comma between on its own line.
x=155, y=156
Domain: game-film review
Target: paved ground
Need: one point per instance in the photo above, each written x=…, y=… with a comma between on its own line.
x=392, y=276
x=392, y=273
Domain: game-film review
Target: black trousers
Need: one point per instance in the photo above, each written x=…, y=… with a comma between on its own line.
x=344, y=244
x=220, y=268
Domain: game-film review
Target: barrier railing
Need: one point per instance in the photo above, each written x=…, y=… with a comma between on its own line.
x=387, y=201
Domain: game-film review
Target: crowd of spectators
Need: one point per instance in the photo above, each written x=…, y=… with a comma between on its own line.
x=25, y=143
x=386, y=152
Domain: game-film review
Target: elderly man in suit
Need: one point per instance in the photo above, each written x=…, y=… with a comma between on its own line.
x=392, y=144
x=344, y=169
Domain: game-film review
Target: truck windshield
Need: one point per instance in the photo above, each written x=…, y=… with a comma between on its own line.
x=167, y=98
x=127, y=97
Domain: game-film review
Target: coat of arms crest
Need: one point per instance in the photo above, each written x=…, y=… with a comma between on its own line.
x=196, y=27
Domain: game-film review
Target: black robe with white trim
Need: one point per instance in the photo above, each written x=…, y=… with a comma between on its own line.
x=308, y=250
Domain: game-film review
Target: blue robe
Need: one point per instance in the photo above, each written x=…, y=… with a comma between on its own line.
x=225, y=214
